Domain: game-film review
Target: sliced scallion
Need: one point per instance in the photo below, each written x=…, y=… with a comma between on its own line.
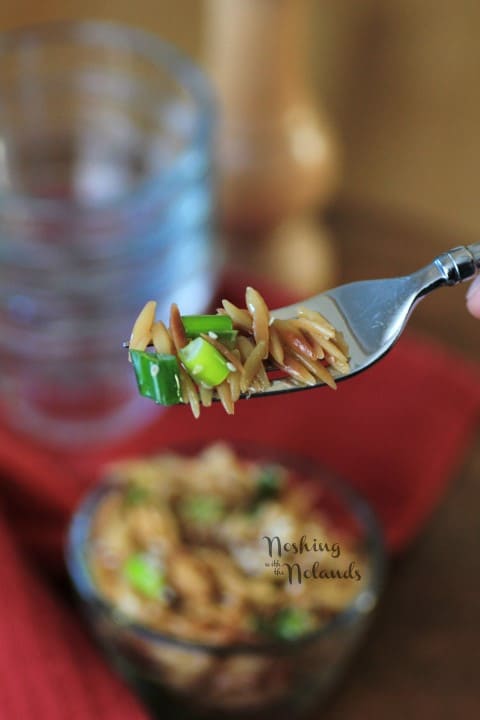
x=269, y=482
x=291, y=623
x=202, y=509
x=204, y=362
x=158, y=376
x=144, y=576
x=135, y=495
x=218, y=326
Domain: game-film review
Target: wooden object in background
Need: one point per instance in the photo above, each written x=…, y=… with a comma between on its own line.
x=277, y=156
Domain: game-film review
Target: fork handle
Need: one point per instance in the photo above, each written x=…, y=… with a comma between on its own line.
x=459, y=264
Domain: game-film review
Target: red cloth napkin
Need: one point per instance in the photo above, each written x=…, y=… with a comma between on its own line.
x=397, y=433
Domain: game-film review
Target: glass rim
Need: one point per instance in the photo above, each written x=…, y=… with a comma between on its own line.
x=146, y=45
x=357, y=506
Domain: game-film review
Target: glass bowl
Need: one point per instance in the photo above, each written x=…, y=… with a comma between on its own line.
x=285, y=678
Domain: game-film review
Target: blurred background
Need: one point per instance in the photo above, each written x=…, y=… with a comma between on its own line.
x=399, y=80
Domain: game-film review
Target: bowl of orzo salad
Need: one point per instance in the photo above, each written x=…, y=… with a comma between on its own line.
x=226, y=581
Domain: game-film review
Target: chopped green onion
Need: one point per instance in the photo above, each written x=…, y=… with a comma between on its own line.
x=227, y=338
x=144, y=576
x=218, y=326
x=158, y=376
x=269, y=482
x=135, y=495
x=195, y=325
x=288, y=624
x=202, y=509
x=292, y=623
x=204, y=363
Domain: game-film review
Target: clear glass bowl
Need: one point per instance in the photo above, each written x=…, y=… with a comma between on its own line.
x=284, y=679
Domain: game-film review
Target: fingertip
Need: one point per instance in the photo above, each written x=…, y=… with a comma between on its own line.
x=473, y=298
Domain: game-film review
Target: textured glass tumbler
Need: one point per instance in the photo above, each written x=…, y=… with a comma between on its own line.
x=105, y=202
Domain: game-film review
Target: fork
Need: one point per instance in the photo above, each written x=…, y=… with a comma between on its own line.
x=372, y=314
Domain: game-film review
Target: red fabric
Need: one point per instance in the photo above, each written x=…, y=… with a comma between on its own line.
x=397, y=433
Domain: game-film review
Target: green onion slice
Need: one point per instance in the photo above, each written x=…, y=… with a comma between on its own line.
x=269, y=482
x=204, y=363
x=202, y=509
x=292, y=623
x=158, y=376
x=195, y=325
x=135, y=495
x=144, y=576
x=218, y=326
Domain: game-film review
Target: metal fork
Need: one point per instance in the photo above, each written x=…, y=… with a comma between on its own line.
x=372, y=314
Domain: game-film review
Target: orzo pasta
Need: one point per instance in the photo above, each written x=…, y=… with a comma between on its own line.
x=187, y=546
x=224, y=356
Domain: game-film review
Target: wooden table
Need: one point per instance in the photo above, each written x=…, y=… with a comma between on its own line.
x=422, y=656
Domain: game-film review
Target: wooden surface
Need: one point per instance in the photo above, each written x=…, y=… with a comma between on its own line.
x=421, y=659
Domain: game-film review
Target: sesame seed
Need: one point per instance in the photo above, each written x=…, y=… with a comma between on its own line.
x=213, y=335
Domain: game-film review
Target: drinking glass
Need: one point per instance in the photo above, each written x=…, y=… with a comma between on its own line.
x=105, y=203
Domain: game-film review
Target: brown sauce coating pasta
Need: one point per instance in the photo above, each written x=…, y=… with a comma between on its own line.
x=202, y=521
x=306, y=348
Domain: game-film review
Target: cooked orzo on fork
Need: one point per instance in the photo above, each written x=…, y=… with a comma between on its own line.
x=327, y=338
x=237, y=353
